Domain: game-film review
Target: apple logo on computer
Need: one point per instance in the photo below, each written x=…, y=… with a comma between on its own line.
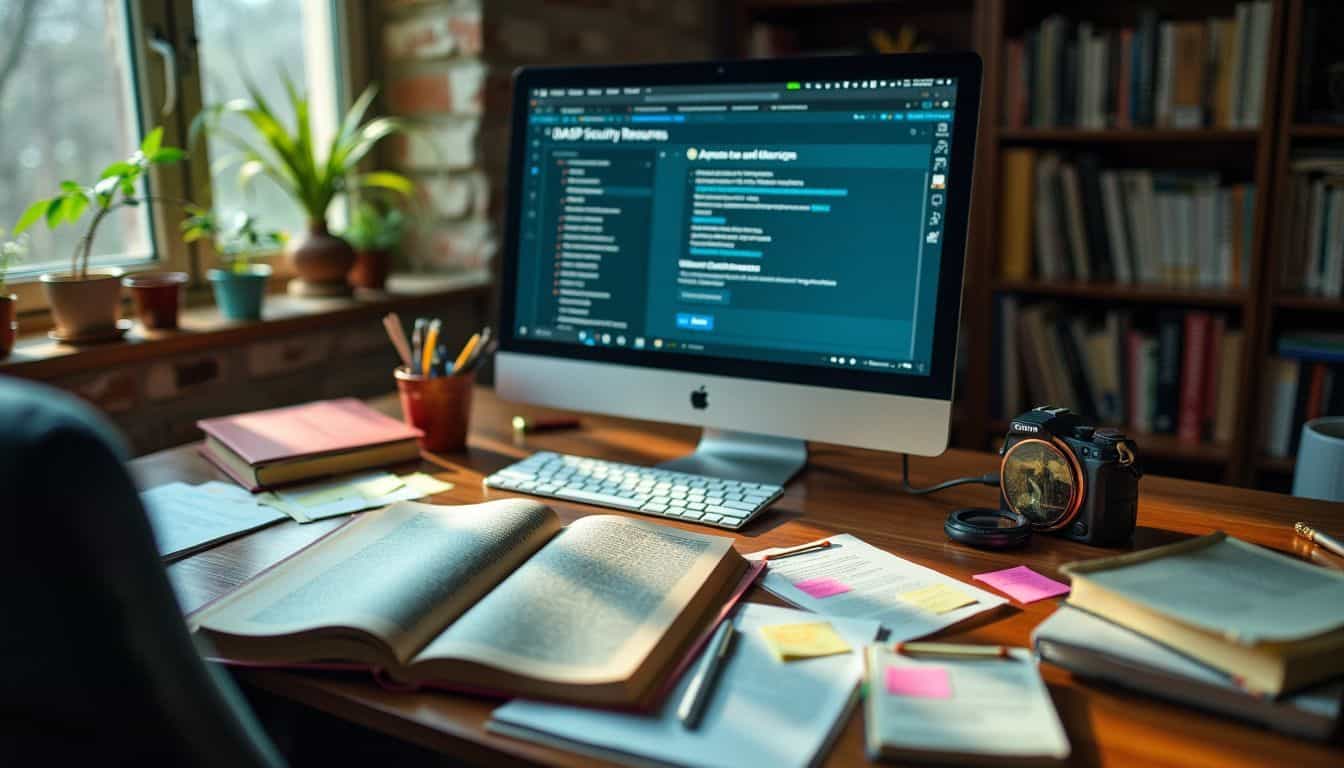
x=699, y=399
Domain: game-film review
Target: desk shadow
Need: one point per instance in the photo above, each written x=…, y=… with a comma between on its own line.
x=1074, y=713
x=1146, y=537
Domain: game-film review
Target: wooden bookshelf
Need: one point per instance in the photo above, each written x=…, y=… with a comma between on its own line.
x=1260, y=156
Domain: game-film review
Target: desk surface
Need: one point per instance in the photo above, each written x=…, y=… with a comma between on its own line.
x=842, y=490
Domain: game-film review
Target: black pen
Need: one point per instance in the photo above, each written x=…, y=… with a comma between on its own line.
x=692, y=704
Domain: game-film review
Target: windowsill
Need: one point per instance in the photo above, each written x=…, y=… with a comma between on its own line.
x=37, y=357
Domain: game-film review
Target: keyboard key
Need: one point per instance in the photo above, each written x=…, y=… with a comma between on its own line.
x=742, y=505
x=620, y=502
x=725, y=510
x=690, y=515
x=658, y=508
x=712, y=518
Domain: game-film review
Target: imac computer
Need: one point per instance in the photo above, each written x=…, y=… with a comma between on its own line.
x=770, y=250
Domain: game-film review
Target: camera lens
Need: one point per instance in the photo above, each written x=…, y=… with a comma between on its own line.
x=1042, y=482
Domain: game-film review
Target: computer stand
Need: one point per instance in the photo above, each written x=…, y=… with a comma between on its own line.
x=743, y=456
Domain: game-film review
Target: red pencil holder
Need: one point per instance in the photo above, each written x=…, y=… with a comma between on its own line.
x=439, y=407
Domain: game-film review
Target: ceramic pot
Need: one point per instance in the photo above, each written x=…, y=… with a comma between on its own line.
x=84, y=306
x=321, y=260
x=371, y=268
x=157, y=296
x=239, y=294
x=9, y=327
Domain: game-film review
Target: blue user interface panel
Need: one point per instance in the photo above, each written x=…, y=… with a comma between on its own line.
x=794, y=222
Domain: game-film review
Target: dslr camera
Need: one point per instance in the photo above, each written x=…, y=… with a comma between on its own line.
x=1070, y=479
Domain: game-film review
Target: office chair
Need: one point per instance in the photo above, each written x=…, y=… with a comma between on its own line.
x=96, y=664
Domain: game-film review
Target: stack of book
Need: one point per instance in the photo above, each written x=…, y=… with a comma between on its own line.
x=1180, y=378
x=1072, y=220
x=1306, y=382
x=1188, y=73
x=1313, y=242
x=1212, y=622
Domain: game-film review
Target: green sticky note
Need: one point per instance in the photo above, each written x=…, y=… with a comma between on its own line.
x=326, y=495
x=425, y=484
x=379, y=486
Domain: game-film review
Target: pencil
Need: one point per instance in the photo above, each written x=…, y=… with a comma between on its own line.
x=431, y=344
x=459, y=366
x=953, y=650
x=1326, y=541
x=801, y=550
x=392, y=323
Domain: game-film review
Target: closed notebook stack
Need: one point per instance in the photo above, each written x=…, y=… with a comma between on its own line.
x=1274, y=622
x=1092, y=647
x=287, y=445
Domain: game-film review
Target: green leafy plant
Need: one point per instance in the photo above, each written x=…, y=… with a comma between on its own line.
x=10, y=252
x=118, y=186
x=376, y=228
x=238, y=243
x=288, y=155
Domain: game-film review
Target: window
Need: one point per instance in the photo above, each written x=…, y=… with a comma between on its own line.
x=81, y=81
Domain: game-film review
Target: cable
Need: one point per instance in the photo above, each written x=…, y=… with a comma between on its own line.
x=986, y=479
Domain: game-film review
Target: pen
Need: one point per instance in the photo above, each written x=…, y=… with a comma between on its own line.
x=953, y=650
x=417, y=344
x=799, y=550
x=431, y=344
x=1325, y=540
x=524, y=424
x=692, y=704
x=460, y=366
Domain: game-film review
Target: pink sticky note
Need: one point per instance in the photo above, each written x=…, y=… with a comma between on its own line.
x=822, y=586
x=919, y=682
x=1023, y=584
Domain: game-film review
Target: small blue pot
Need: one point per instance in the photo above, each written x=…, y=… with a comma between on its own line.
x=238, y=294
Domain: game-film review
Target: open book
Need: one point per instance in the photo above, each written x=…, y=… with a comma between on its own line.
x=496, y=597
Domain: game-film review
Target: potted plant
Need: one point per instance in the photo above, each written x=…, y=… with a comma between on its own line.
x=239, y=285
x=86, y=304
x=157, y=296
x=375, y=231
x=290, y=157
x=10, y=252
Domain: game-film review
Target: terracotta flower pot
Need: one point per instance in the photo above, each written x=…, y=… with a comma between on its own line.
x=157, y=296
x=84, y=306
x=371, y=268
x=9, y=327
x=322, y=261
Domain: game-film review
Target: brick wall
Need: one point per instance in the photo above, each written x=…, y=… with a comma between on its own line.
x=448, y=63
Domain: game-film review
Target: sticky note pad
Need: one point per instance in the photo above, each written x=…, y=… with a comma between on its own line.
x=1023, y=584
x=379, y=486
x=804, y=641
x=425, y=484
x=919, y=682
x=938, y=598
x=822, y=586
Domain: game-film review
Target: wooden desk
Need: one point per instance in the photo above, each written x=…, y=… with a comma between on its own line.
x=842, y=490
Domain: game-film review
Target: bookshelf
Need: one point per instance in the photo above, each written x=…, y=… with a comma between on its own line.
x=1259, y=155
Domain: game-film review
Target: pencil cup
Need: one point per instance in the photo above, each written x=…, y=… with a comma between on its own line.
x=439, y=407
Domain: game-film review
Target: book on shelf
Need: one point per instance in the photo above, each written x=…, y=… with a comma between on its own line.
x=1092, y=647
x=1087, y=223
x=497, y=598
x=1275, y=622
x=287, y=445
x=1178, y=377
x=1306, y=381
x=1156, y=73
x=1312, y=242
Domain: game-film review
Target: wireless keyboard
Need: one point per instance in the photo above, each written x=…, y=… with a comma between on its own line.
x=660, y=492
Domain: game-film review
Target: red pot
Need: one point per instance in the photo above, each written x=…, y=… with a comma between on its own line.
x=371, y=268
x=322, y=261
x=9, y=327
x=157, y=297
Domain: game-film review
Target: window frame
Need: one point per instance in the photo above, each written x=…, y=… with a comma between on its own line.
x=175, y=22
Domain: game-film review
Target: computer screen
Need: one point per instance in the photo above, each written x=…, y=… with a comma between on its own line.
x=796, y=222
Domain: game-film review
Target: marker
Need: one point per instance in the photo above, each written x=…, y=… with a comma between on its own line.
x=697, y=694
x=953, y=650
x=524, y=424
x=1326, y=541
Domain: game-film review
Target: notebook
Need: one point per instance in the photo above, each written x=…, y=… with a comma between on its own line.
x=285, y=445
x=960, y=711
x=1092, y=647
x=496, y=597
x=762, y=712
x=1272, y=620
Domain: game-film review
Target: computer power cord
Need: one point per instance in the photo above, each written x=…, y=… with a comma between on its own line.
x=990, y=478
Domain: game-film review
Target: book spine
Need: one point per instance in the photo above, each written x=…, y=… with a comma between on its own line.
x=1260, y=19
x=1213, y=362
x=1192, y=377
x=1124, y=96
x=1146, y=68
x=1094, y=220
x=1166, y=54
x=1228, y=378
x=1117, y=234
x=1017, y=206
x=1074, y=219
x=1283, y=374
x=1169, y=357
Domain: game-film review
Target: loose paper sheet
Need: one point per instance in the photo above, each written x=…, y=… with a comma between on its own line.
x=877, y=581
x=186, y=517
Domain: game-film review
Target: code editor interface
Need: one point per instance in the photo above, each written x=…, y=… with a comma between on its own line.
x=795, y=222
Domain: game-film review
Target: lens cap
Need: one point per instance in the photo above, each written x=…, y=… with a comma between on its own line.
x=986, y=528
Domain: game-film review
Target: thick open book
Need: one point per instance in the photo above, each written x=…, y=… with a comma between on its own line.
x=496, y=597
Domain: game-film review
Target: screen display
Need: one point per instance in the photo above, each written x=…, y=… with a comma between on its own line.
x=789, y=222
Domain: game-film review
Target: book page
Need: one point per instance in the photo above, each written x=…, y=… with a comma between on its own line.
x=400, y=573
x=590, y=605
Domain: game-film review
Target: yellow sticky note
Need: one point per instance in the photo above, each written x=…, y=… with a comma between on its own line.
x=326, y=495
x=938, y=598
x=379, y=486
x=804, y=641
x=425, y=484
